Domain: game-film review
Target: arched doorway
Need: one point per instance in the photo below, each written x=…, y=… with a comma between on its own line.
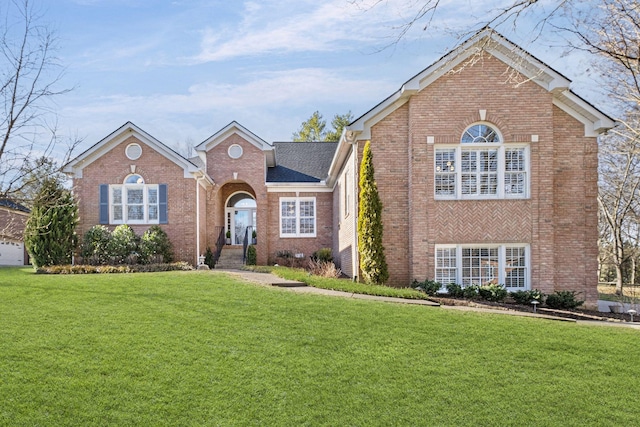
x=240, y=216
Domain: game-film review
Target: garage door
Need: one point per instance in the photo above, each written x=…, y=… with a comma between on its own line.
x=11, y=252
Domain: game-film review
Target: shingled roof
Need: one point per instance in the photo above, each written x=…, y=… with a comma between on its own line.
x=301, y=161
x=13, y=205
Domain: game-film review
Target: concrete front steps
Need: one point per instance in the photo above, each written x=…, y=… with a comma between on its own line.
x=230, y=258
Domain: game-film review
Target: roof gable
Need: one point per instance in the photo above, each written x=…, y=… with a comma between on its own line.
x=236, y=128
x=75, y=166
x=523, y=63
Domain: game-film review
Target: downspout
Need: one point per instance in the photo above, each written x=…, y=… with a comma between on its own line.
x=356, y=206
x=198, y=218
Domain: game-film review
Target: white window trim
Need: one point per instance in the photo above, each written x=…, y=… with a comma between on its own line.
x=297, y=201
x=145, y=203
x=501, y=261
x=501, y=148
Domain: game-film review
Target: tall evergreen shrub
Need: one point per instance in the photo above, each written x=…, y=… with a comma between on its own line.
x=372, y=259
x=50, y=235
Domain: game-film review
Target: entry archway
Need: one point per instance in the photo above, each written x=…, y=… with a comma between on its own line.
x=240, y=216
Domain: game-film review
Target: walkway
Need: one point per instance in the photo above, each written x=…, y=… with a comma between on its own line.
x=269, y=279
x=604, y=306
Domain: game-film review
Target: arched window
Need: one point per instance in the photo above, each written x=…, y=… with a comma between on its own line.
x=480, y=133
x=241, y=200
x=134, y=202
x=481, y=166
x=134, y=179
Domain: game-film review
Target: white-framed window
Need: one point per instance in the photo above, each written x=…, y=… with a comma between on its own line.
x=297, y=217
x=481, y=167
x=133, y=202
x=503, y=264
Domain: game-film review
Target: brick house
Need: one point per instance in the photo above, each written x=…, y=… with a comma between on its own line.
x=13, y=219
x=486, y=163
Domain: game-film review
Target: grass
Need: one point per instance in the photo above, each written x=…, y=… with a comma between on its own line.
x=631, y=293
x=344, y=285
x=199, y=348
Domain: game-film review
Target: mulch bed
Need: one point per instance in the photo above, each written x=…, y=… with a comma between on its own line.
x=578, y=314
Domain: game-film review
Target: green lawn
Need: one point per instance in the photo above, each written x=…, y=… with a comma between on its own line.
x=198, y=348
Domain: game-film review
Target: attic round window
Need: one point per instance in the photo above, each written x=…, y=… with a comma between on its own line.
x=133, y=151
x=235, y=151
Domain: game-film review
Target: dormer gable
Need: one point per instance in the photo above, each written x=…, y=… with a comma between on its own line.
x=237, y=129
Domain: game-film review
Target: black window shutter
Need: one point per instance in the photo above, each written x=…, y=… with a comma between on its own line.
x=104, y=203
x=162, y=202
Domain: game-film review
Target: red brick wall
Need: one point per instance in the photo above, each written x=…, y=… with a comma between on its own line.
x=563, y=167
x=575, y=207
x=304, y=245
x=391, y=163
x=12, y=223
x=251, y=175
x=114, y=166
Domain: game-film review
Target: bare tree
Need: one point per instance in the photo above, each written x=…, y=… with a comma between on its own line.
x=30, y=76
x=424, y=14
x=619, y=196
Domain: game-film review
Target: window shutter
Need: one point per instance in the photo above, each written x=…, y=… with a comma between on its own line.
x=162, y=204
x=104, y=203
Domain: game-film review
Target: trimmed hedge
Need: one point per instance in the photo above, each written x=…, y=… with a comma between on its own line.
x=106, y=269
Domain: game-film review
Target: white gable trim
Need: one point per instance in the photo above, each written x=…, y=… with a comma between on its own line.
x=581, y=110
x=75, y=167
x=312, y=187
x=491, y=42
x=231, y=129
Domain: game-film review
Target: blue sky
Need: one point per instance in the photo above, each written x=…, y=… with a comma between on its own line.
x=183, y=69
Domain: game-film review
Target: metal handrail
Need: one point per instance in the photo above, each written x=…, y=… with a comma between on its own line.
x=219, y=244
x=245, y=243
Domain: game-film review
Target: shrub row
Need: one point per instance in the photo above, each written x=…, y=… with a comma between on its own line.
x=102, y=269
x=498, y=293
x=122, y=246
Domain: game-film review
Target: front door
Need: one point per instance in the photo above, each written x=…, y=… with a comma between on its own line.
x=242, y=219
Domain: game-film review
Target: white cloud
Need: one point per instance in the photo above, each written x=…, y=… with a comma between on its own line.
x=274, y=27
x=289, y=94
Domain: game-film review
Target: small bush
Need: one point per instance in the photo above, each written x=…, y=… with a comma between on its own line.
x=288, y=259
x=470, y=292
x=208, y=258
x=525, y=297
x=284, y=254
x=323, y=268
x=454, y=290
x=492, y=292
x=252, y=255
x=155, y=246
x=322, y=255
x=563, y=300
x=95, y=245
x=429, y=287
x=123, y=244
